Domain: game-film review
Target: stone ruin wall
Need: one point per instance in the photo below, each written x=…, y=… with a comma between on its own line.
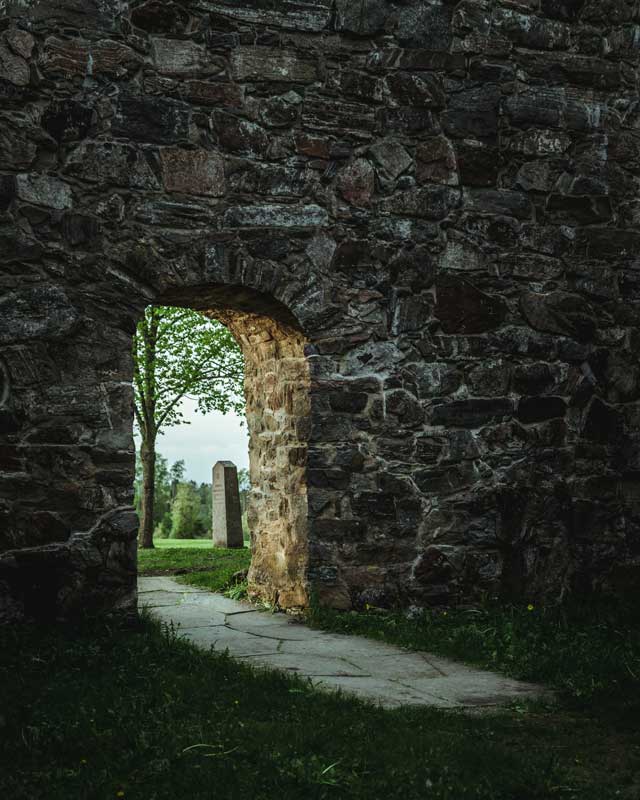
x=444, y=195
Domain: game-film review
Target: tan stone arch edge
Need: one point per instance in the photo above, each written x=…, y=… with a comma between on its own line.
x=278, y=404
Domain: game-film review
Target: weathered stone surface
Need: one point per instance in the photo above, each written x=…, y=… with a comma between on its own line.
x=276, y=216
x=104, y=17
x=151, y=120
x=21, y=42
x=461, y=308
x=192, y=171
x=436, y=162
x=281, y=111
x=86, y=59
x=478, y=164
x=79, y=229
x=461, y=255
x=530, y=379
x=578, y=210
x=68, y=120
x=55, y=319
x=364, y=17
x=472, y=413
x=425, y=25
x=436, y=379
x=489, y=380
x=179, y=57
x=499, y=201
x=557, y=108
x=19, y=139
x=408, y=89
x=473, y=112
x=305, y=15
x=540, y=409
x=212, y=93
x=429, y=202
x=241, y=136
x=538, y=142
x=320, y=113
x=441, y=195
x=267, y=64
x=43, y=190
x=13, y=67
x=391, y=159
x=531, y=31
x=158, y=16
x=250, y=178
x=112, y=164
x=407, y=119
x=559, y=312
x=356, y=183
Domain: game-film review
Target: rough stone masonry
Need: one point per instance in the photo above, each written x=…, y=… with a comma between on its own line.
x=419, y=217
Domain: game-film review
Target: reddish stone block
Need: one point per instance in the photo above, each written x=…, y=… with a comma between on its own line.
x=193, y=171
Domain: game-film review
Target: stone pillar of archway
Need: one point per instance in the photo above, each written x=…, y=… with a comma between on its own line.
x=277, y=387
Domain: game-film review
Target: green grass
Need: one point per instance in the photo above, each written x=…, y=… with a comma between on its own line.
x=194, y=563
x=201, y=544
x=106, y=712
x=591, y=653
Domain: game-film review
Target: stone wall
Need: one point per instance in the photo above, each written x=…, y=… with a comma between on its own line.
x=444, y=198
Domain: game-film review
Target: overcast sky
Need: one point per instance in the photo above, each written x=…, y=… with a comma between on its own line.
x=210, y=438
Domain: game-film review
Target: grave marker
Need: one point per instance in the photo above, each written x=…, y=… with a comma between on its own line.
x=227, y=517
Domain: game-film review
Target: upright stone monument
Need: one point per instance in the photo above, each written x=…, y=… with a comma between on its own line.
x=227, y=517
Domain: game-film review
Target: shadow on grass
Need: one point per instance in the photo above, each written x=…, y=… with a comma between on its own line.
x=105, y=711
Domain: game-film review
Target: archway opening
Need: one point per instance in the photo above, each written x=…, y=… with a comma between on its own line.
x=276, y=390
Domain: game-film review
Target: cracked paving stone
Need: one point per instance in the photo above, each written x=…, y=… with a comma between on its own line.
x=374, y=671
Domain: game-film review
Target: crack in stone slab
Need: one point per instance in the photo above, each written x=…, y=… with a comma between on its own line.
x=261, y=635
x=392, y=678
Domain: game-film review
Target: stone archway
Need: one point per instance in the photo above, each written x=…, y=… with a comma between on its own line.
x=454, y=234
x=278, y=404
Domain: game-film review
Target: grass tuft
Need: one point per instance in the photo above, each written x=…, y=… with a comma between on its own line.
x=103, y=712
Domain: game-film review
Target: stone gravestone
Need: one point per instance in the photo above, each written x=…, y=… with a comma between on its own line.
x=227, y=517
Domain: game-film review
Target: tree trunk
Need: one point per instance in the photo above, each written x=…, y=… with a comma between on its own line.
x=148, y=457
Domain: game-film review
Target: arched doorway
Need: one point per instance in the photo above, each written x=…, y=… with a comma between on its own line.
x=277, y=386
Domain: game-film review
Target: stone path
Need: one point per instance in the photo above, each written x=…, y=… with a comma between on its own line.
x=382, y=673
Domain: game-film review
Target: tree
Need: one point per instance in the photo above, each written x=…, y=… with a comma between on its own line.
x=162, y=495
x=206, y=508
x=165, y=484
x=187, y=521
x=178, y=353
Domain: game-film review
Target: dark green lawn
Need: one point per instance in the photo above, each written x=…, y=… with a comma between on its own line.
x=105, y=712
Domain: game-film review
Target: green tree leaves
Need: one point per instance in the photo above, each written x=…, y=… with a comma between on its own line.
x=179, y=353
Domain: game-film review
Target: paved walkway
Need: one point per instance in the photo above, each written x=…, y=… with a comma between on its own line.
x=375, y=671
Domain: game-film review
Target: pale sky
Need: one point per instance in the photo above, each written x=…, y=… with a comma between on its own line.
x=209, y=438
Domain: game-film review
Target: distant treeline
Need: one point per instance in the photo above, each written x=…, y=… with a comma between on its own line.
x=182, y=509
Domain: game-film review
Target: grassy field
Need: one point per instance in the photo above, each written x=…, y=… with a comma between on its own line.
x=195, y=562
x=179, y=544
x=105, y=712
